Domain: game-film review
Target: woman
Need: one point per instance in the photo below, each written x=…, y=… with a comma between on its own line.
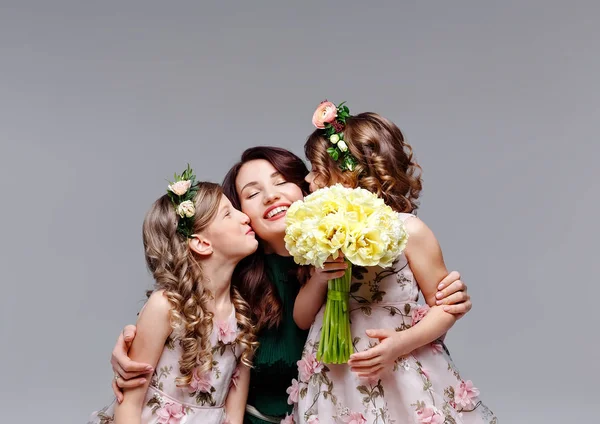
x=263, y=184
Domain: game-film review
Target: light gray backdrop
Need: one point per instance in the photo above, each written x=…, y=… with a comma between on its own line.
x=100, y=102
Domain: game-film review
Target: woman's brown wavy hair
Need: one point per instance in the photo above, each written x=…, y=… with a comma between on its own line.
x=251, y=274
x=178, y=272
x=385, y=161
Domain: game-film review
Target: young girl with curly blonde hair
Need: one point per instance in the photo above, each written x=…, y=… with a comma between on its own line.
x=195, y=330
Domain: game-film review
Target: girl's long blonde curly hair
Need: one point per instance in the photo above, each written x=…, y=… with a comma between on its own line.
x=178, y=272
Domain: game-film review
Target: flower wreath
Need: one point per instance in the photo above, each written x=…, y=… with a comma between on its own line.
x=332, y=119
x=182, y=192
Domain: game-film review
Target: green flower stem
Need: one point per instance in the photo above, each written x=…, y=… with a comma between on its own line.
x=335, y=345
x=325, y=333
x=333, y=326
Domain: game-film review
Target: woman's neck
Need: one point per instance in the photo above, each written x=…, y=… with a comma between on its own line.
x=277, y=247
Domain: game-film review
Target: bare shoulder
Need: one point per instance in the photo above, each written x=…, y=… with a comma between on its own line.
x=425, y=257
x=421, y=240
x=157, y=307
x=153, y=329
x=417, y=229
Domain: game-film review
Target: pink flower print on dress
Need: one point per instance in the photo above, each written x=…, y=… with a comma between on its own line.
x=201, y=382
x=355, y=418
x=308, y=366
x=235, y=376
x=465, y=393
x=227, y=330
x=313, y=419
x=436, y=347
x=170, y=413
x=293, y=392
x=419, y=313
x=289, y=419
x=429, y=416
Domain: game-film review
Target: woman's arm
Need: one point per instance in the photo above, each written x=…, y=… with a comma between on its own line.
x=312, y=294
x=235, y=405
x=452, y=294
x=153, y=328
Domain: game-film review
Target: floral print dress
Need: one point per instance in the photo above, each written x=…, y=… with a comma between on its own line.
x=423, y=387
x=203, y=400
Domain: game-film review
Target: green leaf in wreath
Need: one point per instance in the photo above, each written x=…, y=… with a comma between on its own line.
x=335, y=154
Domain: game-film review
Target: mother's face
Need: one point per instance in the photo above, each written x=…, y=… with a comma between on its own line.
x=265, y=197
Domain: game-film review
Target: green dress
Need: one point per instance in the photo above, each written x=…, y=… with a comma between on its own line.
x=279, y=351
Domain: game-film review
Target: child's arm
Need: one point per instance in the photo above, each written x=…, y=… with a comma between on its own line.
x=427, y=264
x=153, y=328
x=235, y=405
x=131, y=373
x=312, y=294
